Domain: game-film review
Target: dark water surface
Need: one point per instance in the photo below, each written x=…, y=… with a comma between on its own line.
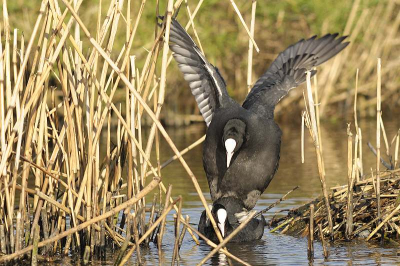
x=273, y=248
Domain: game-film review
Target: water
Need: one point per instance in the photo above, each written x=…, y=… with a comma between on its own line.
x=273, y=248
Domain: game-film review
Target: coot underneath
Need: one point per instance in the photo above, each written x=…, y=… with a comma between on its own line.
x=229, y=213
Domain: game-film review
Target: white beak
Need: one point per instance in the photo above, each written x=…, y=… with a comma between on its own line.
x=222, y=215
x=230, y=145
x=222, y=229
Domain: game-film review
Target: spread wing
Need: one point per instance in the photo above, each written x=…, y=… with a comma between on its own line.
x=205, y=81
x=288, y=71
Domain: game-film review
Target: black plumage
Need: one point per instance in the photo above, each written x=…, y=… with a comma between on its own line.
x=243, y=167
x=236, y=213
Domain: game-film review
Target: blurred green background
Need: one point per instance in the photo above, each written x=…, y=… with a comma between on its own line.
x=225, y=42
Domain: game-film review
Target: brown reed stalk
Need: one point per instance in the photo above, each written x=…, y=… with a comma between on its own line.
x=72, y=168
x=212, y=244
x=41, y=115
x=182, y=235
x=149, y=231
x=162, y=187
x=193, y=27
x=350, y=171
x=315, y=136
x=14, y=56
x=81, y=226
x=161, y=93
x=7, y=37
x=127, y=239
x=154, y=50
x=385, y=140
x=244, y=25
x=33, y=99
x=318, y=116
x=182, y=152
x=37, y=92
x=396, y=152
x=276, y=202
x=311, y=234
x=321, y=236
x=24, y=63
x=359, y=157
x=139, y=146
x=175, y=253
x=3, y=239
x=387, y=218
x=378, y=138
x=355, y=102
x=45, y=225
x=128, y=111
x=3, y=132
x=86, y=255
x=250, y=53
x=136, y=236
x=36, y=239
x=162, y=224
x=18, y=232
x=2, y=104
x=152, y=212
x=303, y=114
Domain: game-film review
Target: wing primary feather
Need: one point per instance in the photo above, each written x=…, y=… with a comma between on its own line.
x=205, y=81
x=288, y=71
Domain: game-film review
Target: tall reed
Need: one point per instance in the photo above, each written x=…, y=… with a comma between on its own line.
x=65, y=187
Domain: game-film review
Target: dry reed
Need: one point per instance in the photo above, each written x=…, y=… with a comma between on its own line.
x=367, y=207
x=64, y=189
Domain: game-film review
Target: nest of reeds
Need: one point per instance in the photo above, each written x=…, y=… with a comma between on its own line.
x=354, y=211
x=365, y=207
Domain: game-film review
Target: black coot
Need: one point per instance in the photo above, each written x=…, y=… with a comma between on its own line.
x=228, y=213
x=241, y=150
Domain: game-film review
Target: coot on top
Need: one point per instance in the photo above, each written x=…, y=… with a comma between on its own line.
x=241, y=150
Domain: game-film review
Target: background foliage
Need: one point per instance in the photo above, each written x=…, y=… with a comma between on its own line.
x=225, y=42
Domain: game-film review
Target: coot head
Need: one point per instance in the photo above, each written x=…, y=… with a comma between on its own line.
x=229, y=213
x=220, y=214
x=221, y=218
x=233, y=137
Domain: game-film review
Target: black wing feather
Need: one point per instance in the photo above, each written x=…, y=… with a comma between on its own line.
x=205, y=81
x=288, y=71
